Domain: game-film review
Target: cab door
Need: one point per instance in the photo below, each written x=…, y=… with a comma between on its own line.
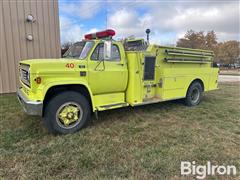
x=107, y=76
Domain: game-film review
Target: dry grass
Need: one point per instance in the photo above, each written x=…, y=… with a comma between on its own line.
x=146, y=142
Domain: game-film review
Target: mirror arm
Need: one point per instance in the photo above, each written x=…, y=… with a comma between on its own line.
x=95, y=69
x=103, y=65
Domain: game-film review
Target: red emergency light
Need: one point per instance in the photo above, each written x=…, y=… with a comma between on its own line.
x=100, y=34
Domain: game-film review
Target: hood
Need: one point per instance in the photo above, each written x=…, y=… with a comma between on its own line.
x=53, y=65
x=46, y=61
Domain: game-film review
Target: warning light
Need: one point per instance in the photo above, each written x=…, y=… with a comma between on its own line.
x=100, y=34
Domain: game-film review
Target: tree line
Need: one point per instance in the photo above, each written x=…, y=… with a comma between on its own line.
x=225, y=52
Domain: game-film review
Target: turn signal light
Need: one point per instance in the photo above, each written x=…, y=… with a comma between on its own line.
x=38, y=80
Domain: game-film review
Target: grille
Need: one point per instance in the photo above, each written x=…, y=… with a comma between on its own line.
x=25, y=74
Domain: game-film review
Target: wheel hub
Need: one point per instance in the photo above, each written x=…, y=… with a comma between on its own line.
x=195, y=95
x=69, y=114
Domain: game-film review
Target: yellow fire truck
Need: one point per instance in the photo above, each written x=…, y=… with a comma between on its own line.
x=100, y=73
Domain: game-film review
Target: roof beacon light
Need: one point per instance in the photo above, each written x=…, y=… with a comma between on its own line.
x=100, y=34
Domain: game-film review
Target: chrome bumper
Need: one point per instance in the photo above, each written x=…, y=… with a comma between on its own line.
x=30, y=107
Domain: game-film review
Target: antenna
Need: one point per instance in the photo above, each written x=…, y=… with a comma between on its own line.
x=106, y=14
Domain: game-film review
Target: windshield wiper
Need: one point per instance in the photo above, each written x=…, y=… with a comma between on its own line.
x=70, y=56
x=75, y=56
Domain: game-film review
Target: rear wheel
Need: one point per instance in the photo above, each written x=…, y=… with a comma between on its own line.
x=194, y=94
x=67, y=112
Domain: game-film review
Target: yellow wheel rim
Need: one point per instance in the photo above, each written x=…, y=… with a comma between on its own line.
x=69, y=115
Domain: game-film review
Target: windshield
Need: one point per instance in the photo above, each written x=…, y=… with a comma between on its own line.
x=87, y=47
x=79, y=50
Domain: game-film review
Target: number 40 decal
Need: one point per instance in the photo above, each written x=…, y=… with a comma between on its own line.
x=69, y=65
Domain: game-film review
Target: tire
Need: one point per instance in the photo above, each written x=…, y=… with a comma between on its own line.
x=194, y=94
x=67, y=112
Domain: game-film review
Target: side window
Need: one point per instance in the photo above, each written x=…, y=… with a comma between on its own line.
x=98, y=53
x=115, y=53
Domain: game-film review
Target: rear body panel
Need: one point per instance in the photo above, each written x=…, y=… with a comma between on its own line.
x=173, y=73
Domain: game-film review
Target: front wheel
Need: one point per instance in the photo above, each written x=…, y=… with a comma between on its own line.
x=194, y=94
x=67, y=112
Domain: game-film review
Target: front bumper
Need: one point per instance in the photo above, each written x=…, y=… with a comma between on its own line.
x=30, y=107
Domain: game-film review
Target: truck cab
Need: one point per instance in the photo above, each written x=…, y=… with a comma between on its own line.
x=100, y=73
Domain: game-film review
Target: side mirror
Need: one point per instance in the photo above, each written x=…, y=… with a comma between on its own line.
x=107, y=50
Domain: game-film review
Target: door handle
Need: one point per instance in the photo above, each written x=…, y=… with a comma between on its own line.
x=120, y=64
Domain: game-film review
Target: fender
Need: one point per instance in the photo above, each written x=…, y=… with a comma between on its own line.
x=193, y=79
x=73, y=82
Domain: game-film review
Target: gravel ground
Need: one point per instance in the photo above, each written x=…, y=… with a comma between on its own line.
x=228, y=78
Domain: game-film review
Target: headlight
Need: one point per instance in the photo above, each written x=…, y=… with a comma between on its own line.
x=25, y=74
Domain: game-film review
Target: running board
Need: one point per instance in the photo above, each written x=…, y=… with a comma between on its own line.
x=112, y=106
x=155, y=100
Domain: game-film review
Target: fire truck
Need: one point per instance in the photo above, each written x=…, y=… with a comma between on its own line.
x=100, y=73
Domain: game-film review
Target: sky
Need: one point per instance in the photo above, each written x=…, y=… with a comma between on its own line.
x=167, y=20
